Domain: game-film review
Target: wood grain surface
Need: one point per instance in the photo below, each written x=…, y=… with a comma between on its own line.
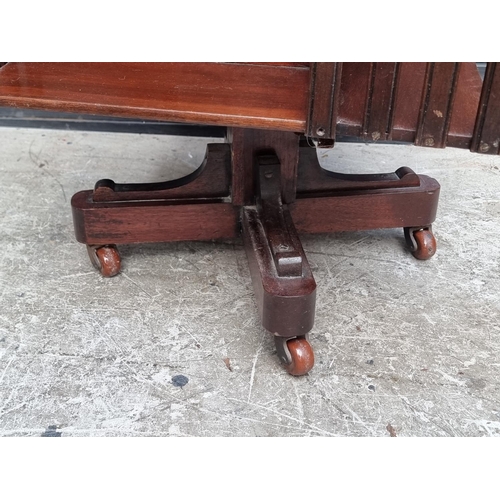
x=424, y=103
x=266, y=96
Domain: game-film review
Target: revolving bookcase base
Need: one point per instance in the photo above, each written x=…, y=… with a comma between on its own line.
x=267, y=187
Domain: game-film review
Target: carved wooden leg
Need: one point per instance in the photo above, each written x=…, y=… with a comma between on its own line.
x=284, y=285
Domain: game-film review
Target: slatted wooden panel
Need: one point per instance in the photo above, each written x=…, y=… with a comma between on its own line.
x=407, y=101
x=486, y=138
x=379, y=111
x=437, y=104
x=429, y=104
x=324, y=99
x=352, y=100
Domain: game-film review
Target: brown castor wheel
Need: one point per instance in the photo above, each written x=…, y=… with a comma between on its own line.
x=421, y=241
x=296, y=354
x=302, y=357
x=106, y=259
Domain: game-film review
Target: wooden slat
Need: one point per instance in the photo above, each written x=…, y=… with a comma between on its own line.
x=354, y=86
x=324, y=99
x=486, y=138
x=246, y=95
x=380, y=101
x=437, y=104
x=407, y=100
x=465, y=106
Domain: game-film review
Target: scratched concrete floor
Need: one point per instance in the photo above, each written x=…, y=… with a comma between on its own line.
x=414, y=345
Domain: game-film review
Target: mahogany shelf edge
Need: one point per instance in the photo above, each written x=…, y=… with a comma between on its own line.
x=240, y=95
x=188, y=117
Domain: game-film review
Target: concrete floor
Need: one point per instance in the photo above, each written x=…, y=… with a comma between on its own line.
x=402, y=347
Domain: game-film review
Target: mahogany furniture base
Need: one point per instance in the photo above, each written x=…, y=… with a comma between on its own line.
x=269, y=187
x=283, y=282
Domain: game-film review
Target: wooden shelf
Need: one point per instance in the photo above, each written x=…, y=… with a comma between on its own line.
x=267, y=96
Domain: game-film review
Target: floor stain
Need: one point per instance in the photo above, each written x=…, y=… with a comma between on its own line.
x=179, y=380
x=51, y=432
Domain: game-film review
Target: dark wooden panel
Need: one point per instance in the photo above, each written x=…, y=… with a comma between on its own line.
x=261, y=96
x=437, y=104
x=486, y=137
